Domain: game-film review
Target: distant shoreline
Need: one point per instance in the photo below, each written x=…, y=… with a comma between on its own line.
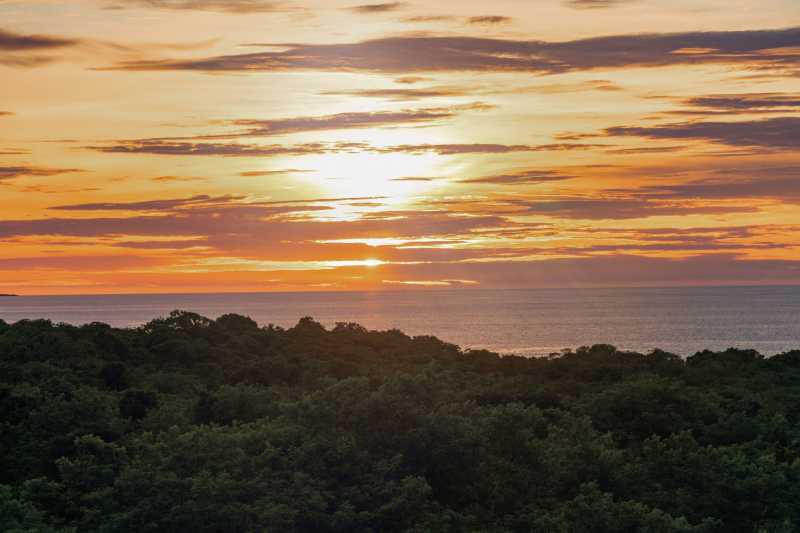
x=414, y=290
x=9, y=295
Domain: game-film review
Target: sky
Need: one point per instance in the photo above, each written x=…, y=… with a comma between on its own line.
x=152, y=146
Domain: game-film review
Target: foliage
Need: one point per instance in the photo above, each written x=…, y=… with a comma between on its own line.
x=192, y=424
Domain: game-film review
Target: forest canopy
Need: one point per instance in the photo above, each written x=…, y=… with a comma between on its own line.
x=193, y=424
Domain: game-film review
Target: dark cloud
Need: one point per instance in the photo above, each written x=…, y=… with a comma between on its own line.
x=522, y=177
x=560, y=88
x=225, y=226
x=761, y=48
x=484, y=148
x=16, y=42
x=163, y=245
x=222, y=6
x=620, y=208
x=7, y=173
x=595, y=4
x=742, y=103
x=151, y=205
x=88, y=263
x=489, y=20
x=340, y=121
x=369, y=9
x=639, y=150
x=410, y=80
x=424, y=19
x=159, y=147
x=18, y=50
x=483, y=20
x=280, y=172
x=772, y=133
x=167, y=179
x=784, y=188
x=206, y=204
x=162, y=147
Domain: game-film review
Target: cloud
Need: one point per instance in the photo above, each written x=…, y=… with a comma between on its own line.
x=639, y=150
x=87, y=263
x=152, y=205
x=167, y=179
x=410, y=80
x=620, y=208
x=432, y=283
x=6, y=114
x=595, y=4
x=18, y=50
x=161, y=147
x=784, y=188
x=484, y=148
x=340, y=121
x=742, y=103
x=409, y=54
x=403, y=95
x=370, y=9
x=163, y=245
x=521, y=177
x=7, y=173
x=773, y=133
x=483, y=20
x=237, y=226
x=489, y=20
x=424, y=19
x=279, y=172
x=16, y=42
x=222, y=6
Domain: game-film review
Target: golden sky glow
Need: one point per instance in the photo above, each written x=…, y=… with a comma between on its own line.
x=260, y=145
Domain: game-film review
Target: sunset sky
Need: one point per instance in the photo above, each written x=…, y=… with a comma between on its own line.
x=259, y=145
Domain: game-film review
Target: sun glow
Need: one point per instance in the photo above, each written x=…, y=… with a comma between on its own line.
x=384, y=175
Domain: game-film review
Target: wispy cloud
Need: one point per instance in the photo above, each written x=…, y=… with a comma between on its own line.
x=489, y=20
x=596, y=4
x=403, y=94
x=762, y=48
x=23, y=50
x=222, y=6
x=7, y=173
x=371, y=9
x=340, y=121
x=621, y=208
x=521, y=177
x=10, y=41
x=174, y=148
x=732, y=104
x=771, y=133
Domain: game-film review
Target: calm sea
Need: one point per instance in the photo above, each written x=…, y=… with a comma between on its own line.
x=523, y=321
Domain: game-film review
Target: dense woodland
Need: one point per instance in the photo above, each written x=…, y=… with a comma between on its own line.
x=194, y=425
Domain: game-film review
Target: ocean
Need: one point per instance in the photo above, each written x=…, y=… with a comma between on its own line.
x=530, y=322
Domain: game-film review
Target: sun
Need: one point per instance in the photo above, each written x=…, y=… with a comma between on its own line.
x=394, y=176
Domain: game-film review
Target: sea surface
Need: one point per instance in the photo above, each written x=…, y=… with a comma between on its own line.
x=529, y=322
